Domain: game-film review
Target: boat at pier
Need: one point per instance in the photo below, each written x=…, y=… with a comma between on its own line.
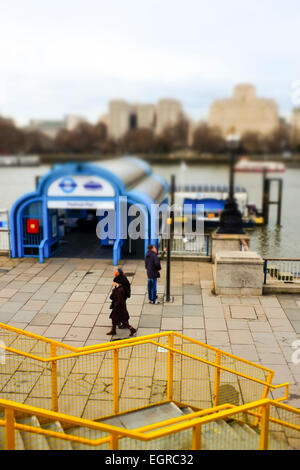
x=213, y=199
x=249, y=166
x=19, y=160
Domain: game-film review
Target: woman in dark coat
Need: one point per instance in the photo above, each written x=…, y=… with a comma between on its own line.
x=120, y=293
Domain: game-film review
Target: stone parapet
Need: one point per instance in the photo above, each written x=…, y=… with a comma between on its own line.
x=238, y=273
x=227, y=242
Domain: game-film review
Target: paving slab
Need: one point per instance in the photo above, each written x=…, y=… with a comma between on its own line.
x=193, y=310
x=274, y=312
x=243, y=312
x=279, y=324
x=296, y=326
x=217, y=338
x=292, y=313
x=57, y=331
x=193, y=323
x=258, y=328
x=215, y=324
x=149, y=321
x=150, y=309
x=23, y=316
x=233, y=324
x=42, y=319
x=11, y=307
x=213, y=312
x=248, y=352
x=269, y=301
x=240, y=337
x=78, y=333
x=65, y=318
x=85, y=320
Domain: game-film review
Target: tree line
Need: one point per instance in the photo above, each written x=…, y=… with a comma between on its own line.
x=88, y=138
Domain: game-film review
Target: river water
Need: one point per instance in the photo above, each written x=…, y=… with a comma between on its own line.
x=270, y=241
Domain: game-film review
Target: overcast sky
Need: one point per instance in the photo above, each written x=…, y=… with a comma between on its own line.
x=72, y=56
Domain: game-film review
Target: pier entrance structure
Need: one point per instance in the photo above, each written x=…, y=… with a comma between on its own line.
x=65, y=208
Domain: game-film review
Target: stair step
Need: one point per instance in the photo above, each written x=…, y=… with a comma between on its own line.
x=136, y=419
x=219, y=435
x=152, y=414
x=178, y=441
x=212, y=434
x=33, y=441
x=277, y=441
x=248, y=436
x=57, y=444
x=87, y=433
x=187, y=410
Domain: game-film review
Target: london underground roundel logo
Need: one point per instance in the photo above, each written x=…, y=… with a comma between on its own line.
x=67, y=185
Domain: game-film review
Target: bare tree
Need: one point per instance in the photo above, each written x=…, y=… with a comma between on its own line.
x=208, y=139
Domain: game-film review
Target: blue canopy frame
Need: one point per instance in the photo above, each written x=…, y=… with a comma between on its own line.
x=37, y=202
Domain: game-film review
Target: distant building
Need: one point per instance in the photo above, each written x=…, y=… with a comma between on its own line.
x=295, y=126
x=52, y=128
x=244, y=112
x=123, y=116
x=168, y=112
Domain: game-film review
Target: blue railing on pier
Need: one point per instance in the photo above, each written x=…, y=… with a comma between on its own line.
x=277, y=270
x=188, y=245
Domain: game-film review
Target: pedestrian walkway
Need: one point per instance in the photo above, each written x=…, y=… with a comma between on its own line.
x=68, y=300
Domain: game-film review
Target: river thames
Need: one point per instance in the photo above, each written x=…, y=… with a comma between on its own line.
x=270, y=241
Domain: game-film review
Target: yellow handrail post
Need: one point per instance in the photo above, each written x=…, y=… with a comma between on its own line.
x=217, y=378
x=54, y=394
x=196, y=439
x=116, y=381
x=265, y=394
x=9, y=429
x=114, y=442
x=264, y=430
x=170, y=367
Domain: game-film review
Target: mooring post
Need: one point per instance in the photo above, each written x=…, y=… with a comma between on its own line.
x=266, y=197
x=280, y=184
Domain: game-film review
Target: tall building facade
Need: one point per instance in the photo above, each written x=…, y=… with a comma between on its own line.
x=51, y=128
x=295, y=126
x=244, y=112
x=123, y=116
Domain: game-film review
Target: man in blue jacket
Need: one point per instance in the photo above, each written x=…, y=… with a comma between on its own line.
x=152, y=265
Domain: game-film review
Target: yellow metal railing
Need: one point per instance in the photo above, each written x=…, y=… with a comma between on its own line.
x=112, y=378
x=193, y=422
x=74, y=386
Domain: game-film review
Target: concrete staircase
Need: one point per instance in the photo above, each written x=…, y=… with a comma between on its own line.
x=221, y=434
